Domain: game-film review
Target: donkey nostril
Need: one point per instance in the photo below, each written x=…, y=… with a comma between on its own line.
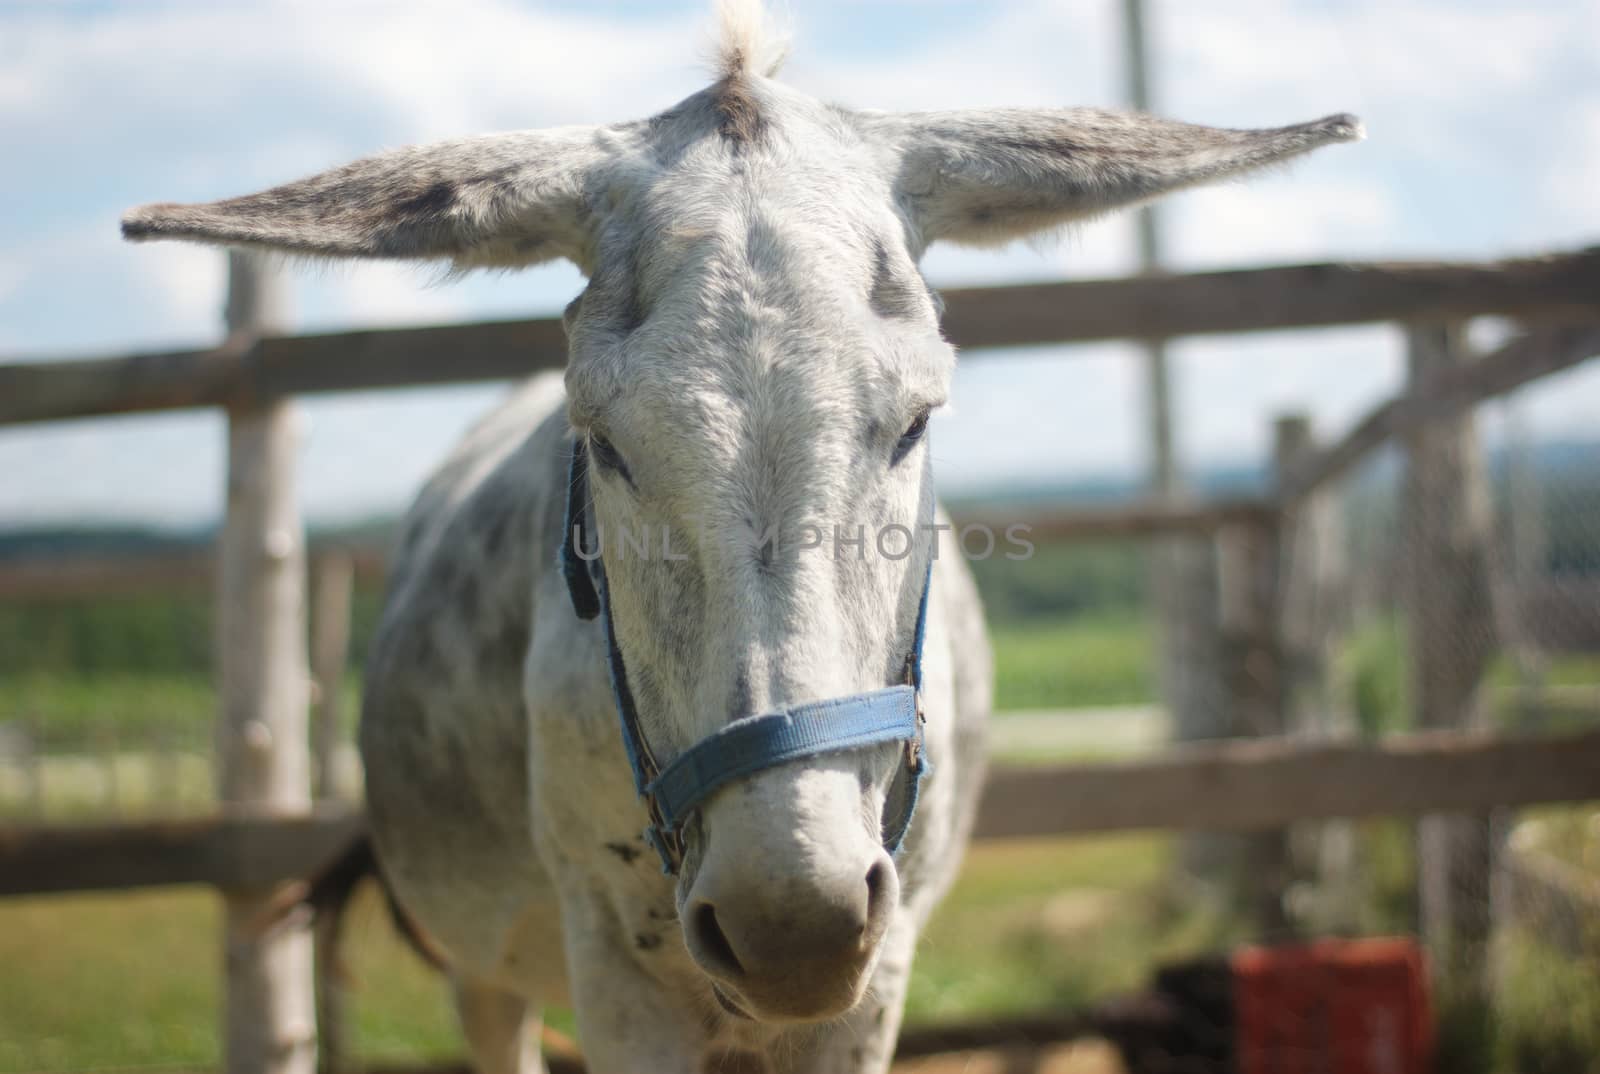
x=877, y=888
x=713, y=944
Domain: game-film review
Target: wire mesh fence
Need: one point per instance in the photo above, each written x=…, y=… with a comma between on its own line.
x=1470, y=604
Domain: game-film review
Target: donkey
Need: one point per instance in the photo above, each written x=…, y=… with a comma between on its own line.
x=695, y=587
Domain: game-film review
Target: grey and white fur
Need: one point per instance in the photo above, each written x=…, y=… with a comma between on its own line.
x=754, y=351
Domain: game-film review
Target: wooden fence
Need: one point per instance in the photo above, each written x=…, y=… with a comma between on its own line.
x=1224, y=786
x=256, y=366
x=269, y=833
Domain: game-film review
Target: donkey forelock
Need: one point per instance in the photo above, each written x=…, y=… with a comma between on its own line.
x=749, y=46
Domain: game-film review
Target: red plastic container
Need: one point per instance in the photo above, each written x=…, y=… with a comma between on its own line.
x=1333, y=1007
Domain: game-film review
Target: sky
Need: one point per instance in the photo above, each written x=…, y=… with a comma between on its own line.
x=1483, y=124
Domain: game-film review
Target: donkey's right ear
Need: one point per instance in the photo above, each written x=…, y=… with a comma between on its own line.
x=503, y=201
x=987, y=176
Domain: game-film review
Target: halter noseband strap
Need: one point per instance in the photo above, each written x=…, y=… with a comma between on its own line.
x=753, y=743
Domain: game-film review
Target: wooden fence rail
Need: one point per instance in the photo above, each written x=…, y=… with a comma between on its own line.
x=248, y=853
x=1239, y=785
x=187, y=570
x=1300, y=296
x=1539, y=352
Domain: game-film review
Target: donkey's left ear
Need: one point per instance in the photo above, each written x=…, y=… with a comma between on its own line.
x=984, y=177
x=503, y=200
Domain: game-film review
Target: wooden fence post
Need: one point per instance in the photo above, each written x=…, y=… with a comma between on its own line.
x=1184, y=592
x=1524, y=536
x=1451, y=638
x=269, y=1025
x=1252, y=671
x=1313, y=604
x=33, y=757
x=332, y=581
x=1310, y=602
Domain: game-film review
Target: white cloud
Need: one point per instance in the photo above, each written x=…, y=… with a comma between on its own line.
x=83, y=288
x=380, y=294
x=1425, y=55
x=1037, y=53
x=495, y=65
x=185, y=101
x=368, y=453
x=164, y=470
x=1279, y=219
x=1229, y=389
x=11, y=273
x=1099, y=248
x=1556, y=407
x=1574, y=190
x=1039, y=413
x=1485, y=133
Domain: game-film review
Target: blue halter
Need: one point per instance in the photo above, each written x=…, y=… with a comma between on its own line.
x=671, y=794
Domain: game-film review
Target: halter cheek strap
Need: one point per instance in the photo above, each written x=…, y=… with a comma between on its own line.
x=754, y=743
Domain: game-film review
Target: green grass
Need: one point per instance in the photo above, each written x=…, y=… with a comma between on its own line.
x=1061, y=663
x=122, y=710
x=108, y=981
x=1549, y=1013
x=1076, y=735
x=1044, y=924
x=1083, y=661
x=95, y=711
x=1568, y=833
x=1371, y=666
x=1073, y=663
x=133, y=979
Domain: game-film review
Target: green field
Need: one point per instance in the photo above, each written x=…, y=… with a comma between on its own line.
x=1087, y=661
x=1049, y=664
x=131, y=980
x=1084, y=662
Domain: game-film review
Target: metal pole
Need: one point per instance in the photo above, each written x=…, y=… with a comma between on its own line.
x=1158, y=382
x=1184, y=582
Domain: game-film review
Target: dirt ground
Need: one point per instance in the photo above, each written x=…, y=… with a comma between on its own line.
x=1079, y=1057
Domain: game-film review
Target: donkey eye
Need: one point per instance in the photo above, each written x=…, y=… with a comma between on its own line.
x=910, y=438
x=607, y=455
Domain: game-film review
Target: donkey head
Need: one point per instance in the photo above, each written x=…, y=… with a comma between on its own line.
x=752, y=365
